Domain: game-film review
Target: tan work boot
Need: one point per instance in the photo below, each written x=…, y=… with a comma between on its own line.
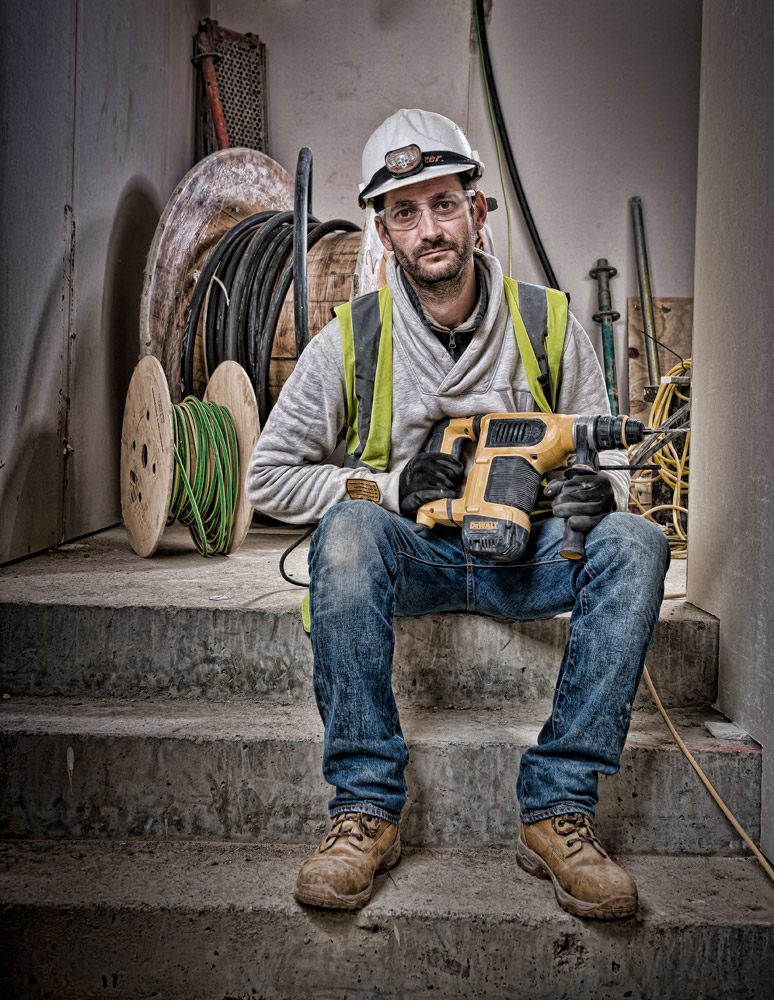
x=586, y=882
x=341, y=871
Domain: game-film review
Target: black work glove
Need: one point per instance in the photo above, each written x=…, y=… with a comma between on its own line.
x=582, y=498
x=428, y=476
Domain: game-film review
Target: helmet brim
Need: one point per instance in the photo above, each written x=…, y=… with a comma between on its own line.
x=442, y=170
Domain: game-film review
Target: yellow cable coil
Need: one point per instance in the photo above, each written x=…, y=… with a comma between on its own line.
x=672, y=460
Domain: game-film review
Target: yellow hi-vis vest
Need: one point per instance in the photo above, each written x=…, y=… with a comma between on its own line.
x=539, y=318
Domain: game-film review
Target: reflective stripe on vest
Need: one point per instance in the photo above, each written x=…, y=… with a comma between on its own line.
x=366, y=339
x=539, y=317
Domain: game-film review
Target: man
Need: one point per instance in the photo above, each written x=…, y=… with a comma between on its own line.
x=447, y=339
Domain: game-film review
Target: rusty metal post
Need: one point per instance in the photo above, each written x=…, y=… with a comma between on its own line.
x=205, y=59
x=606, y=316
x=646, y=299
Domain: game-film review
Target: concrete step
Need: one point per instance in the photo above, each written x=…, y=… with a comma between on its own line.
x=92, y=618
x=251, y=771
x=218, y=922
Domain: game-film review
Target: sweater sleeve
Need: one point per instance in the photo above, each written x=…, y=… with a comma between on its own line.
x=291, y=475
x=582, y=391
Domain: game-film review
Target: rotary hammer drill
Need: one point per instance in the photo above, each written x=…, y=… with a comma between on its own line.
x=513, y=452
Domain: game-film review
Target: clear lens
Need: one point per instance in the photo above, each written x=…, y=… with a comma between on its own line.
x=443, y=207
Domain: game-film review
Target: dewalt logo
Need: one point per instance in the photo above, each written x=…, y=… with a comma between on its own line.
x=483, y=525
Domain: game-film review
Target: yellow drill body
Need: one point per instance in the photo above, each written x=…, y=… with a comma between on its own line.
x=513, y=453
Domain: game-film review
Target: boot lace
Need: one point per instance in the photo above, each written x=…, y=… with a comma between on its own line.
x=357, y=825
x=577, y=829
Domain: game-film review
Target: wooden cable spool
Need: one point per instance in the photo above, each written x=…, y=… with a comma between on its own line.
x=148, y=449
x=214, y=195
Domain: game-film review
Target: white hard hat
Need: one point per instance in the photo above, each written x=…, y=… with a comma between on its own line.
x=413, y=142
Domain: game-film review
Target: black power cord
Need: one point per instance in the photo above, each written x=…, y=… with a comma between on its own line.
x=506, y=144
x=243, y=285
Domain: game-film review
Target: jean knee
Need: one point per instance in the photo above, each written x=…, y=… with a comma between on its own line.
x=347, y=538
x=636, y=541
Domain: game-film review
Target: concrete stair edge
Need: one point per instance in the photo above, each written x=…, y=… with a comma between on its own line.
x=231, y=653
x=252, y=772
x=81, y=919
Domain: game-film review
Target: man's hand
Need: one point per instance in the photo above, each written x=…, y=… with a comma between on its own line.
x=582, y=498
x=428, y=476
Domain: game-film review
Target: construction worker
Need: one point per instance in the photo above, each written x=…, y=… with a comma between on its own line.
x=445, y=339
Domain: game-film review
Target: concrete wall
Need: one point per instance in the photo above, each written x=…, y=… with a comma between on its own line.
x=600, y=97
x=96, y=105
x=732, y=462
x=97, y=117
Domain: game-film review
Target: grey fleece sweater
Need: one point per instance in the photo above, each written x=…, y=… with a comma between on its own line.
x=290, y=475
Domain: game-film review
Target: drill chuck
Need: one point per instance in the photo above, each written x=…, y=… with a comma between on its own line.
x=615, y=432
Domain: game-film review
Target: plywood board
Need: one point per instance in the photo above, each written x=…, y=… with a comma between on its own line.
x=36, y=164
x=674, y=329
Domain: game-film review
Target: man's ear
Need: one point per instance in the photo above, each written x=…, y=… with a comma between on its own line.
x=382, y=233
x=480, y=211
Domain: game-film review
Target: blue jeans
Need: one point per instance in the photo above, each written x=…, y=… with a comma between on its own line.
x=367, y=565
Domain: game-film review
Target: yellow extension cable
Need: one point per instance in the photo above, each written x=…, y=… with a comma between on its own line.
x=673, y=465
x=673, y=470
x=705, y=780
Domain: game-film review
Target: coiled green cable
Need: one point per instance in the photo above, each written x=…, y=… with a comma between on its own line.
x=206, y=480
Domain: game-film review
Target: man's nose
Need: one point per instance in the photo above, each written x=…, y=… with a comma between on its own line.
x=428, y=226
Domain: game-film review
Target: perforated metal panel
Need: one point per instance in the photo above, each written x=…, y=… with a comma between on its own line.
x=240, y=71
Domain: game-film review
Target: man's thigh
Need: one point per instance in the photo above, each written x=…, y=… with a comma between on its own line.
x=433, y=572
x=436, y=574
x=540, y=584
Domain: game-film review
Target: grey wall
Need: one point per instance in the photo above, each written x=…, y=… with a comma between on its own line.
x=96, y=103
x=600, y=97
x=96, y=106
x=732, y=459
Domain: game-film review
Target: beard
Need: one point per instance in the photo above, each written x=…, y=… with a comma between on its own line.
x=440, y=279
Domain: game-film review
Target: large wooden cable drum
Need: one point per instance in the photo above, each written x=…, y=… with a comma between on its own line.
x=221, y=191
x=218, y=192
x=331, y=267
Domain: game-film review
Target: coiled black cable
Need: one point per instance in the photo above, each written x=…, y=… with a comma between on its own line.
x=243, y=286
x=511, y=162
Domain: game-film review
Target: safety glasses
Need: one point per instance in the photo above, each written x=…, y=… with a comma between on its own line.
x=443, y=207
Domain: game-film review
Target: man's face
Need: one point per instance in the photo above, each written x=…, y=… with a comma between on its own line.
x=434, y=251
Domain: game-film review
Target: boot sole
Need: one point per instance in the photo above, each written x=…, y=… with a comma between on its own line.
x=615, y=908
x=325, y=895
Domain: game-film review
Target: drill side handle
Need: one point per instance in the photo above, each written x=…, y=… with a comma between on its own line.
x=586, y=459
x=573, y=543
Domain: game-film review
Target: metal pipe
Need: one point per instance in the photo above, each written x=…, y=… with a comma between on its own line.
x=205, y=59
x=646, y=299
x=606, y=316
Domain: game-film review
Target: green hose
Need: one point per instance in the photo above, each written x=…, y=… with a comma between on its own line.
x=206, y=481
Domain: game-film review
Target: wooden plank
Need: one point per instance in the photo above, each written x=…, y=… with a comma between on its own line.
x=674, y=328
